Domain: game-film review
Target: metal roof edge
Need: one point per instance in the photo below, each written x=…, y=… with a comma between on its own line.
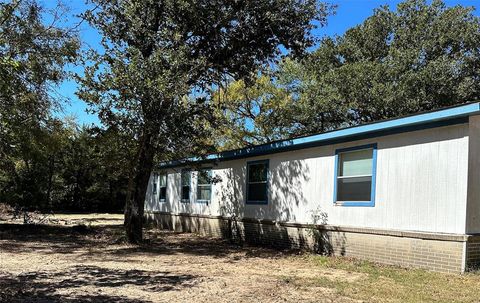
x=404, y=124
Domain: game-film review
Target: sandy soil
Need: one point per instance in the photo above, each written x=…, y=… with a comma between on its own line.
x=78, y=258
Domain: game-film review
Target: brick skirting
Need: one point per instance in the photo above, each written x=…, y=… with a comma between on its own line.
x=473, y=253
x=432, y=251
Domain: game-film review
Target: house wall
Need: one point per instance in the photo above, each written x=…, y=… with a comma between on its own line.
x=473, y=201
x=439, y=252
x=421, y=185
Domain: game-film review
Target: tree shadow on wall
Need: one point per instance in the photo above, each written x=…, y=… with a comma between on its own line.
x=288, y=202
x=231, y=199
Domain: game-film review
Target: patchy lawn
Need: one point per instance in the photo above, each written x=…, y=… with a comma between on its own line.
x=383, y=283
x=78, y=258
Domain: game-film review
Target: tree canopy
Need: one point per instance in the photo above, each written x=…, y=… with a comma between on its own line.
x=177, y=79
x=162, y=60
x=421, y=56
x=33, y=54
x=32, y=57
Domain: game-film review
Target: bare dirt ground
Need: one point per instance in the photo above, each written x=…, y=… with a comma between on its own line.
x=84, y=259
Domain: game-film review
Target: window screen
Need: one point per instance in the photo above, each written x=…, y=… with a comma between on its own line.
x=155, y=184
x=162, y=196
x=354, y=175
x=186, y=180
x=257, y=182
x=204, y=185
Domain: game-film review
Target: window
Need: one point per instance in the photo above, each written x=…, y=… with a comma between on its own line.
x=355, y=176
x=154, y=185
x=257, y=179
x=186, y=180
x=204, y=185
x=162, y=197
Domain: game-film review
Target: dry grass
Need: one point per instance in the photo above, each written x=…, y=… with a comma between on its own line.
x=394, y=284
x=79, y=258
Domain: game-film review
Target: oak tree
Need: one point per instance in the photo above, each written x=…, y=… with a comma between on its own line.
x=163, y=58
x=420, y=56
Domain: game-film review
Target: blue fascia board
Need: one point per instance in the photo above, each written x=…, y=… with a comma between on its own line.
x=442, y=117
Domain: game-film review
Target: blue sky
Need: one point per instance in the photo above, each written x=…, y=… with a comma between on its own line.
x=348, y=14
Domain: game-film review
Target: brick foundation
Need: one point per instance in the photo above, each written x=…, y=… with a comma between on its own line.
x=438, y=252
x=473, y=253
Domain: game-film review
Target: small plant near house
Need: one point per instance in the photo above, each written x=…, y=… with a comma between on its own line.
x=321, y=240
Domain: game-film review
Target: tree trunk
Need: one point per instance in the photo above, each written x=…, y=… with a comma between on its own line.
x=137, y=188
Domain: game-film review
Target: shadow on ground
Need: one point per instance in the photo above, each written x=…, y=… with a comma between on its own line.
x=100, y=245
x=45, y=286
x=58, y=238
x=187, y=244
x=109, y=241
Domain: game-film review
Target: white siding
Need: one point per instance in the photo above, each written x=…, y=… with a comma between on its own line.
x=473, y=208
x=421, y=185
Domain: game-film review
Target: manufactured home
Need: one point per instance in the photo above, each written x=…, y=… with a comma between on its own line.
x=404, y=191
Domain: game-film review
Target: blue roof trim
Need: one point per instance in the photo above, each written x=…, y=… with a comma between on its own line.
x=442, y=117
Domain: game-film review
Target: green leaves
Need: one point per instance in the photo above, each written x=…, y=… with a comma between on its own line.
x=32, y=59
x=162, y=59
x=418, y=57
x=425, y=60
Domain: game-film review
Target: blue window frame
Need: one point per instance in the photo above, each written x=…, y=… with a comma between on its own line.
x=355, y=174
x=162, y=192
x=204, y=185
x=186, y=185
x=257, y=182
